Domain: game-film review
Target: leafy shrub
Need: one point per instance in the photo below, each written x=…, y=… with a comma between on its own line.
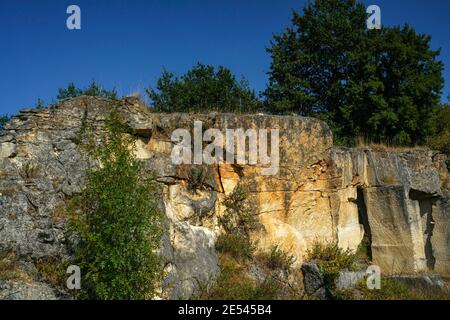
x=119, y=222
x=278, y=259
x=239, y=216
x=236, y=245
x=237, y=221
x=331, y=260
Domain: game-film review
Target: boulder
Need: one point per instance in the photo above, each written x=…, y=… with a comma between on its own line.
x=314, y=281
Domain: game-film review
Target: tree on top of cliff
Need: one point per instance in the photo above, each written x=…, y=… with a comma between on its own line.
x=202, y=88
x=382, y=84
x=93, y=90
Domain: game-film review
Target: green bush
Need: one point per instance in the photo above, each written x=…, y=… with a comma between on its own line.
x=238, y=221
x=239, y=216
x=118, y=220
x=278, y=259
x=331, y=260
x=236, y=245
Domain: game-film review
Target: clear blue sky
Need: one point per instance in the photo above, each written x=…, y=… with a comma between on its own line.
x=125, y=44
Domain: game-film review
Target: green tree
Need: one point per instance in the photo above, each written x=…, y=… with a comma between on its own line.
x=202, y=88
x=313, y=60
x=119, y=222
x=398, y=86
x=93, y=89
x=382, y=84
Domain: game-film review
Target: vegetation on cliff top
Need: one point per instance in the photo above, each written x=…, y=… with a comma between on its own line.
x=383, y=85
x=202, y=88
x=93, y=90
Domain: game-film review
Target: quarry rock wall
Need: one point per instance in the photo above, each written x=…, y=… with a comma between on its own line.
x=395, y=202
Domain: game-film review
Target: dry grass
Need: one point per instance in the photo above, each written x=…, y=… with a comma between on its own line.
x=8, y=192
x=394, y=290
x=10, y=268
x=362, y=142
x=30, y=171
x=389, y=180
x=59, y=214
x=51, y=270
x=276, y=258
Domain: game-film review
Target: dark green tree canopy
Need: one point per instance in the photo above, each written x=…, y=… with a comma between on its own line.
x=201, y=89
x=399, y=85
x=313, y=61
x=382, y=84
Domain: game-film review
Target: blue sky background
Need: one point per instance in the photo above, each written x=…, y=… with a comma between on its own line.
x=125, y=44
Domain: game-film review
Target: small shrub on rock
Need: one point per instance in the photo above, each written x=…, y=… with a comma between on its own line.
x=331, y=260
x=236, y=245
x=278, y=259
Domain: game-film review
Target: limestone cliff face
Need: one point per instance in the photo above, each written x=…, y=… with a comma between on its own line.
x=398, y=201
x=405, y=198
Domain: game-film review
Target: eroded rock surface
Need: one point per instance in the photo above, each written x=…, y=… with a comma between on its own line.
x=397, y=200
